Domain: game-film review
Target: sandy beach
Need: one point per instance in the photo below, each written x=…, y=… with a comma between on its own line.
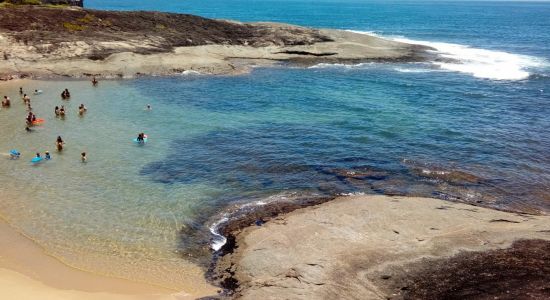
x=27, y=272
x=356, y=248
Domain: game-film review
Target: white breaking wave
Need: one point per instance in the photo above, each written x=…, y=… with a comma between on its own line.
x=218, y=240
x=346, y=66
x=408, y=70
x=191, y=72
x=480, y=63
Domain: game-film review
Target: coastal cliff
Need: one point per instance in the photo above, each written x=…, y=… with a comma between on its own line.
x=70, y=41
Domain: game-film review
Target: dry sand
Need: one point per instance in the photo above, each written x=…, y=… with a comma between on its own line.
x=340, y=249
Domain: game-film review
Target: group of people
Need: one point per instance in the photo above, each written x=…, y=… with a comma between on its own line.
x=46, y=155
x=65, y=94
x=141, y=137
x=59, y=111
x=32, y=120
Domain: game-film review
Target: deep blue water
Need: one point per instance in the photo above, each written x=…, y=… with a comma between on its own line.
x=519, y=27
x=297, y=129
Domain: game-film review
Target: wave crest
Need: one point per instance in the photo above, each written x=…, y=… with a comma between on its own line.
x=480, y=63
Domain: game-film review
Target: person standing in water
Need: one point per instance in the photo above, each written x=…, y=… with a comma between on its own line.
x=94, y=81
x=30, y=118
x=82, y=109
x=26, y=99
x=83, y=157
x=6, y=102
x=47, y=154
x=59, y=143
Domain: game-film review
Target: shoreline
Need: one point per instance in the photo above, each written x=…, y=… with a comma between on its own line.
x=305, y=245
x=32, y=273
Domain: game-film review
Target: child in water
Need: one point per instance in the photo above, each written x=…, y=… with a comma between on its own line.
x=83, y=157
x=48, y=157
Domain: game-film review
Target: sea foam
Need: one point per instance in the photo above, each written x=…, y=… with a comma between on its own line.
x=480, y=63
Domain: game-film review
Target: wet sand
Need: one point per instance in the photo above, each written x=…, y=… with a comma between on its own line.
x=27, y=272
x=353, y=247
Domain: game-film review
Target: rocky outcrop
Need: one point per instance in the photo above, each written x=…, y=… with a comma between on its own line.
x=43, y=41
x=376, y=247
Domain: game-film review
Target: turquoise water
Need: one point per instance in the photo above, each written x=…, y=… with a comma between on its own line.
x=473, y=130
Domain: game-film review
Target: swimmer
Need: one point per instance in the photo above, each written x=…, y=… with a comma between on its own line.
x=47, y=154
x=6, y=102
x=20, y=90
x=29, y=107
x=28, y=129
x=37, y=92
x=38, y=155
x=59, y=143
x=14, y=154
x=94, y=81
x=141, y=138
x=65, y=94
x=83, y=157
x=62, y=111
x=148, y=107
x=82, y=109
x=56, y=111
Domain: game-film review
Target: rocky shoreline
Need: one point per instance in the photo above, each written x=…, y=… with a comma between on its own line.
x=45, y=42
x=380, y=247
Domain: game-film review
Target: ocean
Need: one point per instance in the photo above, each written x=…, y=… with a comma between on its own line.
x=472, y=128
